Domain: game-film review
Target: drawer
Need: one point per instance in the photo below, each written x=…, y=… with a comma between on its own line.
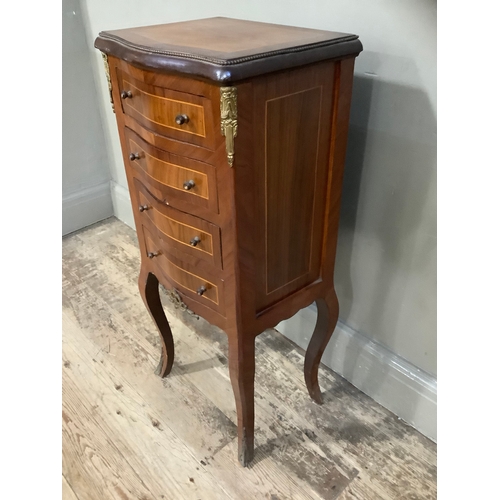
x=181, y=181
x=178, y=115
x=202, y=286
x=185, y=233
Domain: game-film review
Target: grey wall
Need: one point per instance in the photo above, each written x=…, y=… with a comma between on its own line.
x=85, y=164
x=386, y=262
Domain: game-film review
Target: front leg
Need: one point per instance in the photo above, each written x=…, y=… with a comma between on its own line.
x=149, y=288
x=242, y=372
x=328, y=314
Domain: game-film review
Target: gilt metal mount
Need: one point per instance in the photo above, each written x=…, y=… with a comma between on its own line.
x=108, y=77
x=175, y=298
x=228, y=119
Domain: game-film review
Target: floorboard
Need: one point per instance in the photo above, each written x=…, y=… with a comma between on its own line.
x=127, y=434
x=67, y=492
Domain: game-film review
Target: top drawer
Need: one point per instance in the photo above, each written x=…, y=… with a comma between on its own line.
x=178, y=115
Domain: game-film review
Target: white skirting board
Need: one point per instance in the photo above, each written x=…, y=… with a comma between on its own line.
x=122, y=204
x=393, y=382
x=86, y=207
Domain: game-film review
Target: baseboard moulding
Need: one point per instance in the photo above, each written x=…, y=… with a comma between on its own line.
x=390, y=380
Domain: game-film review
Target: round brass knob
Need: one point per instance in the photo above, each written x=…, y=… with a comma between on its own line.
x=201, y=290
x=143, y=207
x=134, y=156
x=195, y=241
x=189, y=185
x=181, y=119
x=151, y=255
x=126, y=94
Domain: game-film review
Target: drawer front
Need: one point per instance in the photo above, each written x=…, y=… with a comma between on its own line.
x=185, y=233
x=201, y=286
x=182, y=180
x=182, y=116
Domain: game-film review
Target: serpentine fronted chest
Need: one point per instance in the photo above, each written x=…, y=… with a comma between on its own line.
x=233, y=136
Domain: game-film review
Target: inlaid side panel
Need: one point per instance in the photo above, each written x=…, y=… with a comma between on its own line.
x=291, y=161
x=292, y=126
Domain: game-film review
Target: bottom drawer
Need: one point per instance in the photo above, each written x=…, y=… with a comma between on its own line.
x=203, y=287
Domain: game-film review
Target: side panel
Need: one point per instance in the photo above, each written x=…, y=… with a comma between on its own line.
x=292, y=127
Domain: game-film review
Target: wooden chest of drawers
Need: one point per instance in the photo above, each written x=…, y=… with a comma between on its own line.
x=233, y=136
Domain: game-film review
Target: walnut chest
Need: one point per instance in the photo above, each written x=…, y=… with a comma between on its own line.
x=234, y=136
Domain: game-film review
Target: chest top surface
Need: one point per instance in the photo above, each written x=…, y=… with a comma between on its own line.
x=224, y=49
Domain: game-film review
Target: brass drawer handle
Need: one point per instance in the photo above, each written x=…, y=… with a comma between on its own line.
x=134, y=156
x=201, y=290
x=195, y=241
x=152, y=255
x=189, y=185
x=181, y=119
x=143, y=207
x=126, y=94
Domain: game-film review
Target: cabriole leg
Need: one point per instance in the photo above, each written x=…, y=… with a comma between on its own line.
x=242, y=373
x=328, y=314
x=149, y=288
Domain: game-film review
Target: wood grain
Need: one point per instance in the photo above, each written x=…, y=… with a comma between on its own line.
x=181, y=274
x=149, y=289
x=225, y=38
x=67, y=492
x=168, y=172
x=328, y=314
x=349, y=448
x=290, y=189
x=225, y=50
x=116, y=409
x=182, y=233
x=292, y=137
x=156, y=108
x=178, y=229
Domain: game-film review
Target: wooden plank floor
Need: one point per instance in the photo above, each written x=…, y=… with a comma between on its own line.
x=127, y=434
